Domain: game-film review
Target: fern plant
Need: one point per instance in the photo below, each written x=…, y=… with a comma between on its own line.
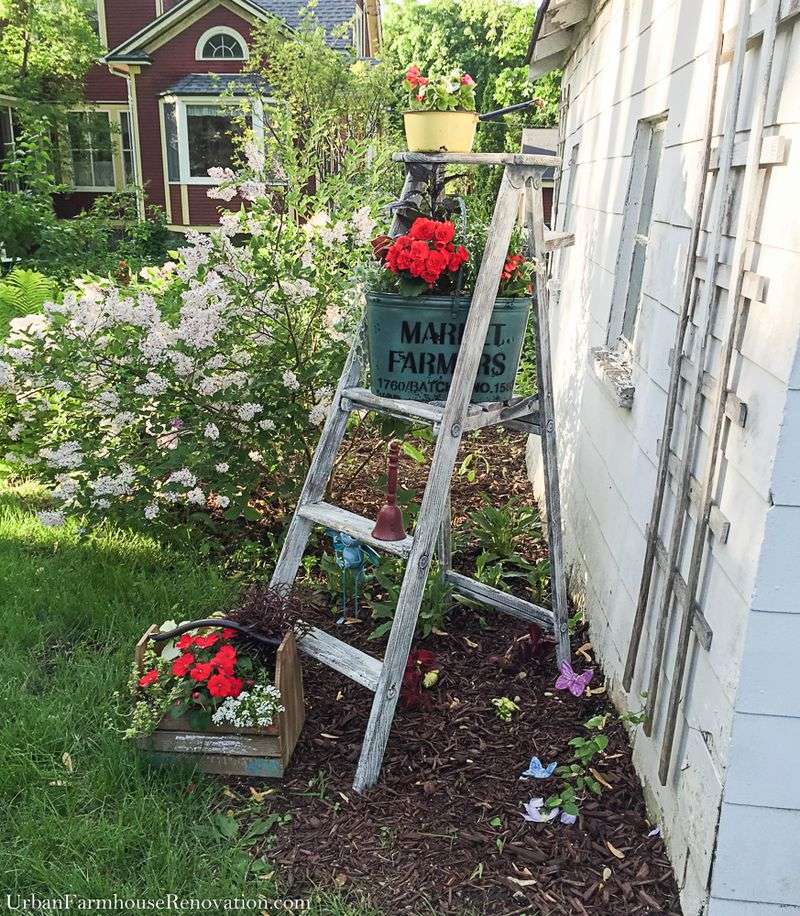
x=23, y=292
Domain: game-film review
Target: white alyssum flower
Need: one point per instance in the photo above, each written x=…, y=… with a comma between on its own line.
x=222, y=468
x=223, y=502
x=254, y=708
x=51, y=518
x=151, y=511
x=266, y=425
x=211, y=431
x=290, y=380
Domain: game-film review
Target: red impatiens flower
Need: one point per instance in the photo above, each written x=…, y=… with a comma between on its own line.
x=201, y=672
x=185, y=642
x=229, y=633
x=221, y=685
x=206, y=642
x=225, y=660
x=148, y=678
x=467, y=80
x=427, y=251
x=181, y=665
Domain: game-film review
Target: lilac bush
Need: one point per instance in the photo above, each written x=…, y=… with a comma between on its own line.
x=203, y=379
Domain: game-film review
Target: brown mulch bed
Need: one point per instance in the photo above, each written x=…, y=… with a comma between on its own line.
x=427, y=839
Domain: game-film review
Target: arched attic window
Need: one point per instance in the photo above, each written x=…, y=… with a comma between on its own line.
x=221, y=43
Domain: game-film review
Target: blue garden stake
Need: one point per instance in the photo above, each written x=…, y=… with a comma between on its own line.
x=350, y=554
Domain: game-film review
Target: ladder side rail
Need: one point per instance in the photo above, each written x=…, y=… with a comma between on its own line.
x=707, y=314
x=684, y=319
x=442, y=467
x=544, y=374
x=333, y=432
x=319, y=473
x=752, y=192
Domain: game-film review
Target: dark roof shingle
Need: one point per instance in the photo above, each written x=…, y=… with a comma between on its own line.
x=218, y=83
x=329, y=14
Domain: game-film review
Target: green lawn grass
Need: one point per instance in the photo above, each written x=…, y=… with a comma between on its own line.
x=81, y=813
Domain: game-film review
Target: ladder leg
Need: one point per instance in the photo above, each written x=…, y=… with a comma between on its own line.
x=544, y=372
x=444, y=542
x=319, y=472
x=431, y=514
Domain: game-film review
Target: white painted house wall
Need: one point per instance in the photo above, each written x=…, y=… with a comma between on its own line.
x=740, y=718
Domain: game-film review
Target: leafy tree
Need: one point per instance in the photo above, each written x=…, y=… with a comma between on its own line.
x=46, y=48
x=331, y=102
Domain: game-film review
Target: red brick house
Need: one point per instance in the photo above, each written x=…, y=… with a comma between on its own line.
x=159, y=105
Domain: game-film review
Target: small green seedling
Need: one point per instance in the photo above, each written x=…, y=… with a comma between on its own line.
x=505, y=708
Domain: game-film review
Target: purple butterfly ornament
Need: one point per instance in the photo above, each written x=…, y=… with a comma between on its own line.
x=569, y=680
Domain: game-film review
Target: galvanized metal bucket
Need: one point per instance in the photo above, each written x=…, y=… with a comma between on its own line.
x=414, y=343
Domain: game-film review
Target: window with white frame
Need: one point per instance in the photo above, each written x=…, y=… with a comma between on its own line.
x=126, y=147
x=199, y=136
x=91, y=150
x=637, y=224
x=221, y=43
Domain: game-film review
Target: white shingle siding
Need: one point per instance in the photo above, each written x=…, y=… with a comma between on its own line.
x=731, y=810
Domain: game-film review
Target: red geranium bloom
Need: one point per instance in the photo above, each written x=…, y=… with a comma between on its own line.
x=185, y=641
x=201, y=672
x=182, y=665
x=229, y=633
x=150, y=677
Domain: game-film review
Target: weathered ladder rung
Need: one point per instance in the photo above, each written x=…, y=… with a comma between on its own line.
x=700, y=626
x=342, y=657
x=393, y=407
x=754, y=286
x=478, y=415
x=355, y=525
x=482, y=415
x=735, y=407
x=501, y=601
x=717, y=520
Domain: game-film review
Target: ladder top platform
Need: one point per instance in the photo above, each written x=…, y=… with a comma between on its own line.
x=524, y=159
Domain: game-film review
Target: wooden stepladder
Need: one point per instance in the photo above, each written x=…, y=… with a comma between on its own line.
x=431, y=537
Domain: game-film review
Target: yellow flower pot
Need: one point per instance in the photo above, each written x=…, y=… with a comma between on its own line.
x=440, y=131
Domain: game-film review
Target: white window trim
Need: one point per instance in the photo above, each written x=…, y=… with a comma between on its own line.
x=181, y=104
x=646, y=130
x=96, y=189
x=220, y=30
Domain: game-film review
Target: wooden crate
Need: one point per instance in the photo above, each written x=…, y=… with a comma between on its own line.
x=263, y=752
